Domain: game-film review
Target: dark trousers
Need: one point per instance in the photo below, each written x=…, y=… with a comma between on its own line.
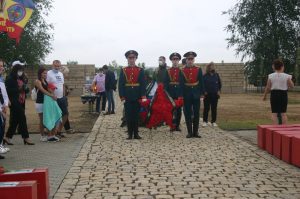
x=102, y=96
x=17, y=119
x=177, y=113
x=210, y=102
x=67, y=125
x=2, y=128
x=110, y=100
x=132, y=109
x=191, y=113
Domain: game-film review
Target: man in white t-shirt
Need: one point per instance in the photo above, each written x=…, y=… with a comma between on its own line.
x=55, y=77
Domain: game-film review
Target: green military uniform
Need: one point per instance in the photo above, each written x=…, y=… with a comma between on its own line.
x=174, y=88
x=193, y=88
x=132, y=89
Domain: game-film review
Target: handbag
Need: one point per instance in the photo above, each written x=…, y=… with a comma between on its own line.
x=34, y=94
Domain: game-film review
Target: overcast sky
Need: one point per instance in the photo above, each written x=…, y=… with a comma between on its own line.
x=99, y=31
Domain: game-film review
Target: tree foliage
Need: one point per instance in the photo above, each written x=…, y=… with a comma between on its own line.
x=262, y=31
x=35, y=41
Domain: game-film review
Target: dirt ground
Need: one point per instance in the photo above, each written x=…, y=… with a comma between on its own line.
x=80, y=119
x=246, y=111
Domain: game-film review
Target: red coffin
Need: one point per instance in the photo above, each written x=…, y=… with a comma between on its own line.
x=269, y=136
x=18, y=190
x=286, y=150
x=40, y=175
x=277, y=141
x=261, y=133
x=296, y=150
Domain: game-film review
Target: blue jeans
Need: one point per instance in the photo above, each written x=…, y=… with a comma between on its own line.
x=110, y=100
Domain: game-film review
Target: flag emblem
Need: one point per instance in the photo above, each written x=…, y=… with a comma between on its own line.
x=16, y=13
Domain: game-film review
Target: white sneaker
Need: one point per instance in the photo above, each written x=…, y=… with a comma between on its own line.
x=204, y=124
x=2, y=150
x=57, y=138
x=214, y=124
x=53, y=139
x=44, y=139
x=6, y=148
x=208, y=123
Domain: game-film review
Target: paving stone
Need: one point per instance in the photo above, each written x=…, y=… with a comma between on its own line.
x=167, y=165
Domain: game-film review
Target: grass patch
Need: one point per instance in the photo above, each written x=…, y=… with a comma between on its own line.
x=242, y=124
x=246, y=111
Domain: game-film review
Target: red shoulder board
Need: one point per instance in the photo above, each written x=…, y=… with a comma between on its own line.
x=190, y=74
x=132, y=74
x=174, y=74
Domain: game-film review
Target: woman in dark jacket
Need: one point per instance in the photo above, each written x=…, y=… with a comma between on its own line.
x=212, y=89
x=16, y=90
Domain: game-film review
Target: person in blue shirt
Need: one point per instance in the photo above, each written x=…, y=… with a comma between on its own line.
x=212, y=89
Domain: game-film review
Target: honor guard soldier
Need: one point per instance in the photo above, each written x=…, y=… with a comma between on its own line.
x=131, y=90
x=192, y=86
x=173, y=87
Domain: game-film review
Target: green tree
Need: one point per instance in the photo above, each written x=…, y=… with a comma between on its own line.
x=262, y=31
x=36, y=38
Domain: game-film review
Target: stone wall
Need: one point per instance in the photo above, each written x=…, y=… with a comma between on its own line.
x=75, y=80
x=232, y=75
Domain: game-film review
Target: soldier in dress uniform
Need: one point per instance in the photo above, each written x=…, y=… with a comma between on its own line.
x=192, y=86
x=131, y=90
x=173, y=87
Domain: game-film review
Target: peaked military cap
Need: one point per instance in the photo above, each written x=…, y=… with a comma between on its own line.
x=131, y=52
x=191, y=53
x=175, y=55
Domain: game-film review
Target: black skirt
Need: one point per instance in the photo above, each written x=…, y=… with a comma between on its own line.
x=279, y=101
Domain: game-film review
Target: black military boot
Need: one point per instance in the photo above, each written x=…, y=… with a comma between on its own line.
x=195, y=129
x=130, y=130
x=189, y=129
x=123, y=124
x=136, y=131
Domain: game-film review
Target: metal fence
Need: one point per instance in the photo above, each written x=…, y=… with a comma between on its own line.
x=255, y=85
